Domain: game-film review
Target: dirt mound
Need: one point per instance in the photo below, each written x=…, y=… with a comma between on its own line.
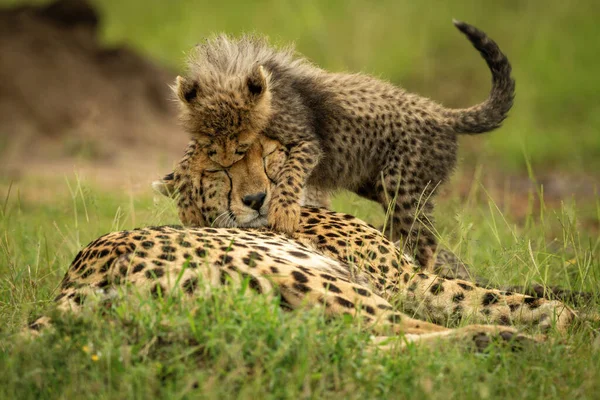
x=67, y=100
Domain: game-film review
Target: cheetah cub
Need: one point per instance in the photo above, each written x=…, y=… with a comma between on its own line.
x=342, y=130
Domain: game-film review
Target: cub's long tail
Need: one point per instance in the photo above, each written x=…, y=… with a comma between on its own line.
x=488, y=115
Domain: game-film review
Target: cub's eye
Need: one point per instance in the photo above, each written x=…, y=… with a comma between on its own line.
x=268, y=152
x=211, y=153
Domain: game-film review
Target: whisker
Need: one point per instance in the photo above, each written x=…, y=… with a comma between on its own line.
x=222, y=215
x=233, y=219
x=230, y=220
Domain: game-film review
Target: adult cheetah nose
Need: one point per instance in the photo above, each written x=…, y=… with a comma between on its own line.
x=254, y=201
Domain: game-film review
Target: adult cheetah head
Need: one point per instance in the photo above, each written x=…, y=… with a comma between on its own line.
x=225, y=98
x=238, y=196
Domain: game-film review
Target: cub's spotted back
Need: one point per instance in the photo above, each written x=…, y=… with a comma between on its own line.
x=342, y=130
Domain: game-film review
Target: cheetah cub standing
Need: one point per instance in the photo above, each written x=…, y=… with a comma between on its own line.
x=342, y=130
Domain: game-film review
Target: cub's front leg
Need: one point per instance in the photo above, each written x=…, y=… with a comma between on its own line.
x=284, y=211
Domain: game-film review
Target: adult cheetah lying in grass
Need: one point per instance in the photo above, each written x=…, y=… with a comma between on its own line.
x=161, y=260
x=336, y=262
x=206, y=193
x=349, y=131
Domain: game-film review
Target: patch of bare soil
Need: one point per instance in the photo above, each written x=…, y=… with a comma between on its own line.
x=67, y=103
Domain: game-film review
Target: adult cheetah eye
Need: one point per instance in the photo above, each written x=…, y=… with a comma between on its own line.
x=241, y=151
x=272, y=152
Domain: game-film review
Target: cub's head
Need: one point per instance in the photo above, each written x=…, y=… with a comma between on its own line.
x=237, y=196
x=225, y=97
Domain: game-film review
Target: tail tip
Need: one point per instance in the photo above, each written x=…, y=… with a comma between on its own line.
x=459, y=24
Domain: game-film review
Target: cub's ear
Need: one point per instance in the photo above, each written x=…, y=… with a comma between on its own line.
x=165, y=186
x=257, y=82
x=186, y=89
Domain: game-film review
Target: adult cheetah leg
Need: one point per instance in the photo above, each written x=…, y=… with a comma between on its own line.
x=478, y=337
x=284, y=212
x=339, y=296
x=447, y=300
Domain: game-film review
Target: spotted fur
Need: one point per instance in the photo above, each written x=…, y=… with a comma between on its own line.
x=163, y=260
x=369, y=258
x=342, y=130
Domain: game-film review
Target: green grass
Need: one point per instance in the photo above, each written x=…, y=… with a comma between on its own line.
x=232, y=345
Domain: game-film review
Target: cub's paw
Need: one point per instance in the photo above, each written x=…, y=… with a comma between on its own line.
x=284, y=217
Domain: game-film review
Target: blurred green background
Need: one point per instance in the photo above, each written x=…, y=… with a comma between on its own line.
x=553, y=45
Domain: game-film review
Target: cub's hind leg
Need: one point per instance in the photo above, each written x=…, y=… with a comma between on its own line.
x=316, y=197
x=449, y=265
x=411, y=217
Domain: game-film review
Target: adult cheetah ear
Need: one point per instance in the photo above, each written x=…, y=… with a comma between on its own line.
x=165, y=186
x=257, y=82
x=186, y=90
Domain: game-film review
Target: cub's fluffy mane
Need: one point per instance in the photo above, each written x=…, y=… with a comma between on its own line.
x=237, y=56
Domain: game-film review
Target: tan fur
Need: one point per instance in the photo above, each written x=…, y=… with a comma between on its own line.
x=335, y=261
x=349, y=131
x=369, y=258
x=159, y=261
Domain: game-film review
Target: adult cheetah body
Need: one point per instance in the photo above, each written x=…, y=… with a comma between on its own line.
x=164, y=259
x=334, y=261
x=370, y=259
